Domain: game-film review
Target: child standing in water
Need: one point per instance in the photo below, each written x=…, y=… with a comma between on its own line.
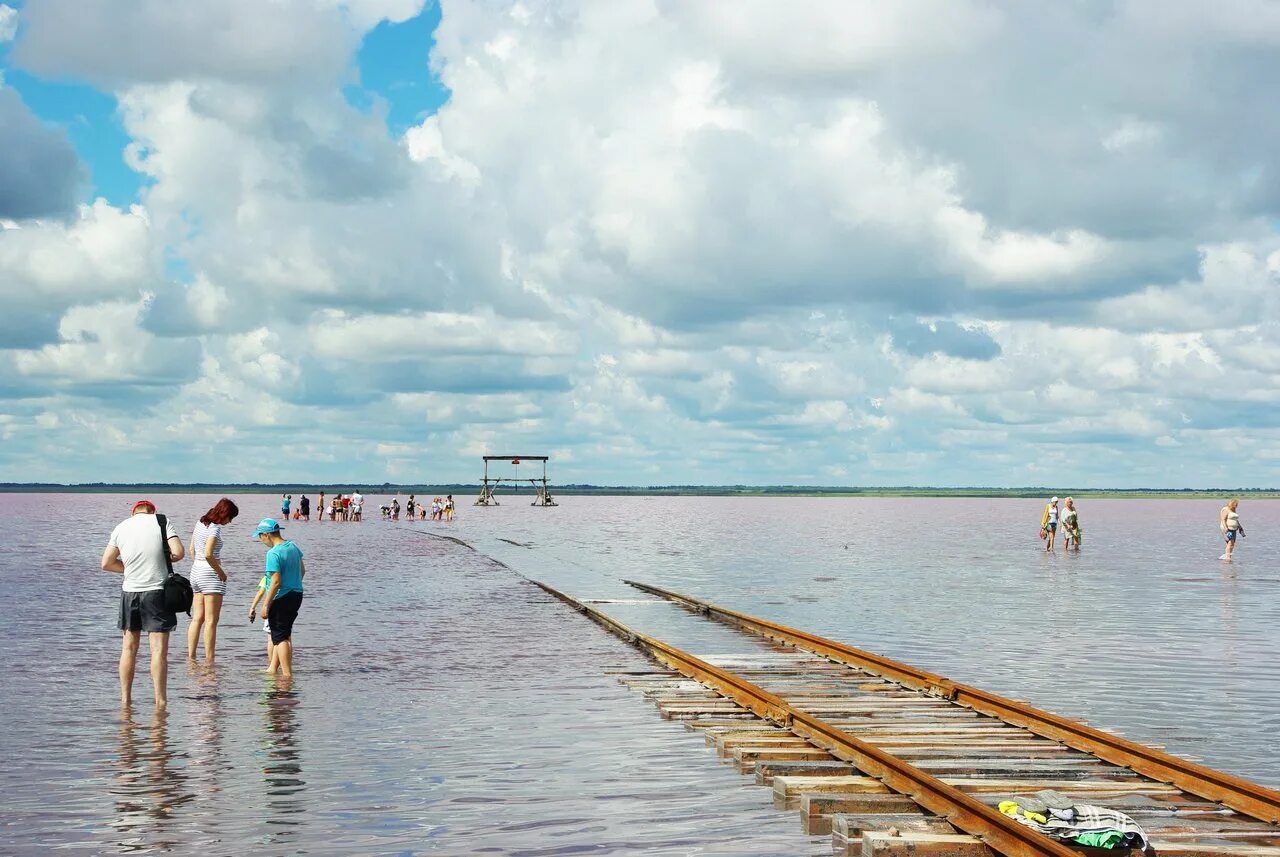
x=266, y=625
x=285, y=570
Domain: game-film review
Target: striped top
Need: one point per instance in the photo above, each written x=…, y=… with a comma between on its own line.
x=201, y=535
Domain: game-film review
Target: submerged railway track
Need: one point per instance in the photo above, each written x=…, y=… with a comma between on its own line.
x=893, y=760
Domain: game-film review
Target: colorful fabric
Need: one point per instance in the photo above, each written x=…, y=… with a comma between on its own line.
x=1089, y=819
x=1101, y=839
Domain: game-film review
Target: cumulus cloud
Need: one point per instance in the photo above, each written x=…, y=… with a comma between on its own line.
x=928, y=242
x=146, y=41
x=104, y=352
x=40, y=173
x=943, y=336
x=8, y=22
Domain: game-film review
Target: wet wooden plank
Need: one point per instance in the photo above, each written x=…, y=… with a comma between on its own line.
x=849, y=826
x=881, y=844
x=744, y=720
x=789, y=786
x=744, y=755
x=765, y=770
x=911, y=844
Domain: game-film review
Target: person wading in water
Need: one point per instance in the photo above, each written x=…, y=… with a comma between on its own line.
x=137, y=550
x=284, y=595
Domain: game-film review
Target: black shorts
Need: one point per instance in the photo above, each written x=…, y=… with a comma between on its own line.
x=145, y=611
x=284, y=610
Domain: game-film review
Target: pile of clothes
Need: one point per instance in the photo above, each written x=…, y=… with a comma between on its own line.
x=1054, y=814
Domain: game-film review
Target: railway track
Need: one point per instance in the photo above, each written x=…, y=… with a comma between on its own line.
x=892, y=760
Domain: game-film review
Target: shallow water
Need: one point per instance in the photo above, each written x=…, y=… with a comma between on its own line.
x=398, y=735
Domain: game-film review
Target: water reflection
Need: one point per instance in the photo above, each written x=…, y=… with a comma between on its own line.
x=282, y=772
x=148, y=789
x=208, y=718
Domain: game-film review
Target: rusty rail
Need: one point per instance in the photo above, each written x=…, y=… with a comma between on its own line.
x=1239, y=794
x=998, y=831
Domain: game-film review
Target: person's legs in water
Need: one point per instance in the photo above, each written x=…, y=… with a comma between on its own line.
x=284, y=657
x=128, y=662
x=159, y=641
x=212, y=610
x=1231, y=543
x=271, y=646
x=194, y=626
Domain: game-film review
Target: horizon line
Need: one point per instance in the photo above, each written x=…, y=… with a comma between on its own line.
x=577, y=486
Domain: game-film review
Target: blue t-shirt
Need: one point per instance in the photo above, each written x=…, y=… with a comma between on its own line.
x=285, y=559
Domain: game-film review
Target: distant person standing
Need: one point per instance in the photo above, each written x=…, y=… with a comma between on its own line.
x=1049, y=523
x=1070, y=525
x=357, y=505
x=409, y=506
x=137, y=550
x=395, y=509
x=320, y=507
x=1229, y=524
x=208, y=579
x=285, y=501
x=284, y=594
x=304, y=506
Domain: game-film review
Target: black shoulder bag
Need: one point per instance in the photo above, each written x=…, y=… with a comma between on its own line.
x=178, y=594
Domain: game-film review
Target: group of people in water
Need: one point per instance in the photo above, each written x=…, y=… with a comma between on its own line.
x=143, y=548
x=440, y=509
x=1067, y=519
x=350, y=507
x=342, y=507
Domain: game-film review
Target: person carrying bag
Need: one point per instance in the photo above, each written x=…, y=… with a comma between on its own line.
x=178, y=593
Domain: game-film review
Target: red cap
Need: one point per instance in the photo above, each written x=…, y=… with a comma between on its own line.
x=142, y=503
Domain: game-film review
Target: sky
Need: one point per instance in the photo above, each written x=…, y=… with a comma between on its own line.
x=835, y=242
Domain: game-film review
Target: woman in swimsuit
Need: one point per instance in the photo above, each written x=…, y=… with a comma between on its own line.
x=1229, y=524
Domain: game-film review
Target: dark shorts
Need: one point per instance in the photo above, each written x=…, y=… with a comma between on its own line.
x=284, y=610
x=1231, y=535
x=145, y=611
x=1051, y=527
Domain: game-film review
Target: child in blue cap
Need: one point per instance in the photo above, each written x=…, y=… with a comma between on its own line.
x=282, y=595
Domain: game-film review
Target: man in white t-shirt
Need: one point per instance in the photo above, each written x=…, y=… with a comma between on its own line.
x=357, y=506
x=136, y=550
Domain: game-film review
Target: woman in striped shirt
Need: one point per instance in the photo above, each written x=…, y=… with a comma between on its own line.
x=208, y=580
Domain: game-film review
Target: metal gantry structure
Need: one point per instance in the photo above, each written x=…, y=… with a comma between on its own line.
x=542, y=495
